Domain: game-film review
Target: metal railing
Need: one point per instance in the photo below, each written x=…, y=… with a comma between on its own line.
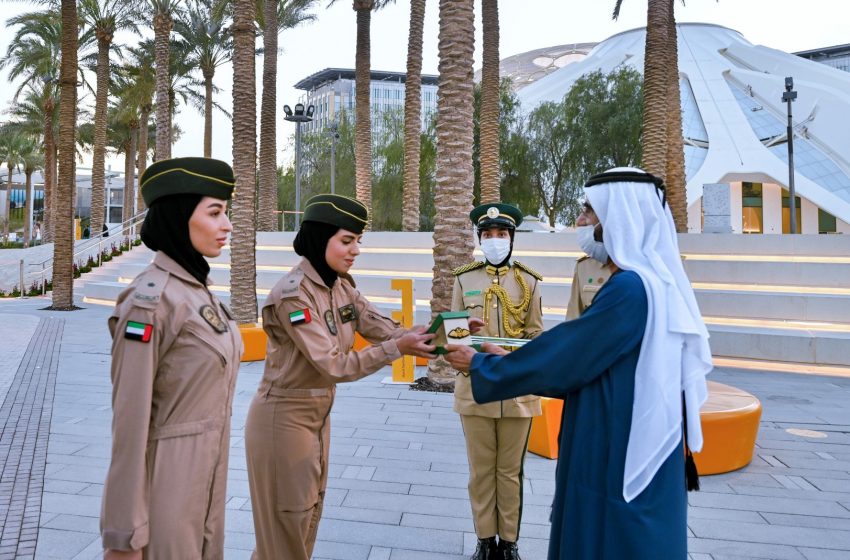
x=124, y=230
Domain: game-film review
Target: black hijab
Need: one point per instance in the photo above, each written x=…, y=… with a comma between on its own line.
x=166, y=229
x=311, y=243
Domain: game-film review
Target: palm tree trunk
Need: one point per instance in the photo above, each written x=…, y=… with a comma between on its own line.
x=28, y=210
x=63, y=247
x=7, y=206
x=675, y=168
x=49, y=168
x=243, y=277
x=489, y=124
x=266, y=218
x=362, y=111
x=208, y=107
x=413, y=116
x=455, y=178
x=655, y=88
x=162, y=24
x=142, y=159
x=99, y=148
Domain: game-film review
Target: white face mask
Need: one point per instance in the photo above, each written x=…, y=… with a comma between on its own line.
x=594, y=249
x=496, y=249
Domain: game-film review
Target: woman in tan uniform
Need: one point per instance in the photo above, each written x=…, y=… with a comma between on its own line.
x=175, y=354
x=310, y=317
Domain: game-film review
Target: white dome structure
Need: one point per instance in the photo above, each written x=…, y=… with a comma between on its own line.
x=734, y=123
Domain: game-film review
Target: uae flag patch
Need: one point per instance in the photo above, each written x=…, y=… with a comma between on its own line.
x=300, y=316
x=138, y=331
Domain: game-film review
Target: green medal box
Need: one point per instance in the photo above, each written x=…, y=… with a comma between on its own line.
x=452, y=327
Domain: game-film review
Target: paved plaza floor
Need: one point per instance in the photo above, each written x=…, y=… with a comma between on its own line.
x=397, y=487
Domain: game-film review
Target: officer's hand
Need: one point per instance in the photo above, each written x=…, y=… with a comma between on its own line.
x=417, y=344
x=460, y=356
x=110, y=554
x=475, y=324
x=491, y=348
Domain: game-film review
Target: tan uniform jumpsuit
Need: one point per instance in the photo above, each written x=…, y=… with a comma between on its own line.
x=588, y=278
x=171, y=403
x=287, y=434
x=496, y=433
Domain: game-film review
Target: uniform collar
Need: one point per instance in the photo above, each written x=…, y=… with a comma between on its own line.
x=169, y=265
x=497, y=270
x=311, y=273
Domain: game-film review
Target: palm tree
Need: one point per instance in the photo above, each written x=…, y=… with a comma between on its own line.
x=412, y=117
x=138, y=71
x=11, y=146
x=63, y=247
x=32, y=159
x=455, y=178
x=210, y=45
x=104, y=18
x=489, y=117
x=33, y=55
x=275, y=16
x=243, y=279
x=663, y=152
x=163, y=20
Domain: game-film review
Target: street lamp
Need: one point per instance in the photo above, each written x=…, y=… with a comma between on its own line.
x=298, y=116
x=789, y=96
x=334, y=131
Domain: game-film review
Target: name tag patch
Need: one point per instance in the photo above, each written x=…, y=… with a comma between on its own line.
x=348, y=313
x=138, y=331
x=300, y=316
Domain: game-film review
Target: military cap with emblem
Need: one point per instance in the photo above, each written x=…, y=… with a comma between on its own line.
x=337, y=210
x=496, y=214
x=187, y=175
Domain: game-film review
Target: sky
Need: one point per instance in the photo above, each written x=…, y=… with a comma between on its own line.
x=788, y=25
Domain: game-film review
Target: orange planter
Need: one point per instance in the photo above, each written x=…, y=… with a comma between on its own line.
x=545, y=429
x=730, y=423
x=254, y=342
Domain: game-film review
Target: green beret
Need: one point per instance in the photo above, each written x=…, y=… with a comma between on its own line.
x=337, y=210
x=496, y=214
x=188, y=175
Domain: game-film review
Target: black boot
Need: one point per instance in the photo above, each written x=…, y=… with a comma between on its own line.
x=508, y=551
x=486, y=550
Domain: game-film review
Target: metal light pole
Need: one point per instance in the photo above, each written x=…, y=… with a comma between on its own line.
x=789, y=96
x=298, y=116
x=334, y=137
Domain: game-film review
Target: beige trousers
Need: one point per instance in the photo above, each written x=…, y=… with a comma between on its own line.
x=286, y=443
x=496, y=450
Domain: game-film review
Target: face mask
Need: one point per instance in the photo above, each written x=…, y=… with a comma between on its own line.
x=594, y=249
x=496, y=250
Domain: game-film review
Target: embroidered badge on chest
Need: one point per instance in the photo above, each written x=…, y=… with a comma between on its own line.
x=211, y=317
x=138, y=331
x=347, y=313
x=329, y=319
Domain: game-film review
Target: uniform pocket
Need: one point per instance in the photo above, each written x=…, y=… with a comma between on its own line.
x=474, y=301
x=203, y=337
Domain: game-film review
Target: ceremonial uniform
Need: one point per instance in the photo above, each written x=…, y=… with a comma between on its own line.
x=507, y=298
x=590, y=275
x=175, y=356
x=310, y=330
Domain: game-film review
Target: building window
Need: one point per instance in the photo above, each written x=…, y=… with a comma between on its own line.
x=786, y=213
x=826, y=222
x=115, y=214
x=751, y=202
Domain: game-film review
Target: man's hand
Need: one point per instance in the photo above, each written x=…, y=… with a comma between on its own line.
x=475, y=324
x=460, y=356
x=415, y=343
x=491, y=348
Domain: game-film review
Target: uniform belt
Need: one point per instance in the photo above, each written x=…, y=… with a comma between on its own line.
x=184, y=429
x=320, y=392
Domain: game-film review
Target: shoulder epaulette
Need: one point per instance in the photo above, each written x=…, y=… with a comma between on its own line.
x=529, y=270
x=148, y=287
x=291, y=283
x=467, y=267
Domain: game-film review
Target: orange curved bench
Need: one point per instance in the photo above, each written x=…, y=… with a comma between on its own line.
x=253, y=341
x=730, y=423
